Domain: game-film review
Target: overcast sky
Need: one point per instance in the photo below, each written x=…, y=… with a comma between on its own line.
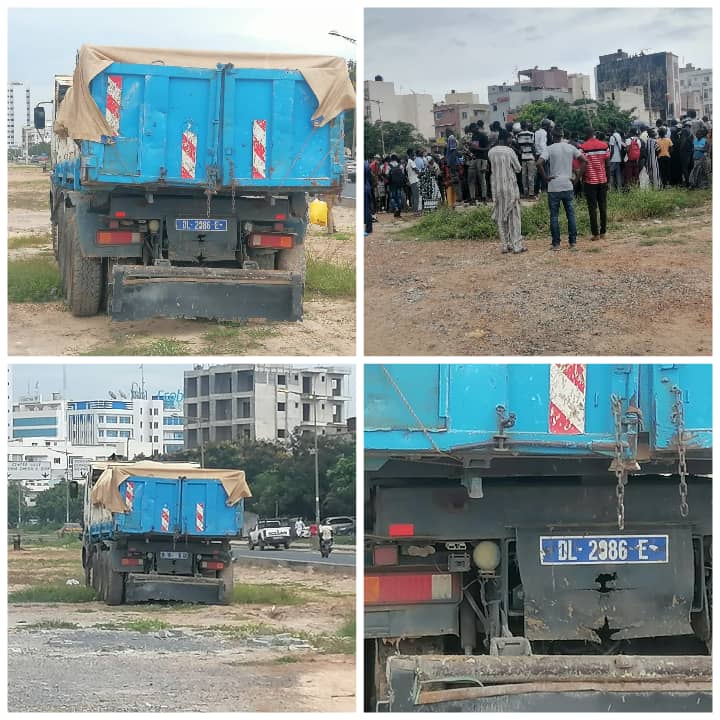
x=465, y=49
x=43, y=42
x=92, y=382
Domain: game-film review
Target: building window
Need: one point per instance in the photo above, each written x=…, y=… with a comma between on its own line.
x=112, y=433
x=322, y=406
x=101, y=433
x=296, y=378
x=125, y=420
x=322, y=378
x=464, y=116
x=56, y=461
x=155, y=438
x=125, y=433
x=281, y=407
x=155, y=425
x=306, y=412
x=296, y=405
x=111, y=419
x=101, y=418
x=281, y=434
x=281, y=380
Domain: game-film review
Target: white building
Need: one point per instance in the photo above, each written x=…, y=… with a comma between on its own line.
x=632, y=100
x=578, y=86
x=155, y=422
x=506, y=100
x=696, y=88
x=226, y=403
x=381, y=103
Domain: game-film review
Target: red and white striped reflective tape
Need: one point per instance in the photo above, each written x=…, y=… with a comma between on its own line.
x=165, y=519
x=259, y=148
x=199, y=517
x=188, y=158
x=567, y=399
x=112, y=102
x=129, y=495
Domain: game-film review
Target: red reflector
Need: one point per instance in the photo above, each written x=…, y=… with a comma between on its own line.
x=385, y=555
x=401, y=530
x=281, y=216
x=131, y=561
x=271, y=241
x=117, y=237
x=120, y=213
x=212, y=565
x=398, y=588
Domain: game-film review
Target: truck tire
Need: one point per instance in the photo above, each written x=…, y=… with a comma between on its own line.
x=228, y=578
x=84, y=283
x=293, y=260
x=115, y=594
x=87, y=566
x=99, y=575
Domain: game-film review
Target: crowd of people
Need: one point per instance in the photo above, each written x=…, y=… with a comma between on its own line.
x=507, y=163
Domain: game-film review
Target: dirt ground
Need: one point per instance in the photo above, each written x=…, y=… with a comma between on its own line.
x=614, y=297
x=90, y=657
x=327, y=328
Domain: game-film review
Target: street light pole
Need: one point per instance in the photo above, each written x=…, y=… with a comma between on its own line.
x=317, y=473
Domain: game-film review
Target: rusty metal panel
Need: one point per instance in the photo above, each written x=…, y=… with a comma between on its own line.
x=615, y=600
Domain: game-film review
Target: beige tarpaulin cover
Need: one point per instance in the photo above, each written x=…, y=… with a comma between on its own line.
x=106, y=491
x=80, y=118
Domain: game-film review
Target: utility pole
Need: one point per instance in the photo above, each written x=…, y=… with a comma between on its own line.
x=67, y=460
x=317, y=473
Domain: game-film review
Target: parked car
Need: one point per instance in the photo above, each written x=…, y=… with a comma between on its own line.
x=275, y=532
x=70, y=529
x=341, y=524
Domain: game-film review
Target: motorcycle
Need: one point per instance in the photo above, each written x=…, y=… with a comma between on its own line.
x=325, y=548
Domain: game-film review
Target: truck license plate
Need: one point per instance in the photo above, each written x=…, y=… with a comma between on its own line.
x=201, y=225
x=167, y=555
x=603, y=549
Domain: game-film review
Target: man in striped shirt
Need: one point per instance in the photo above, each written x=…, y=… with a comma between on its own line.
x=597, y=155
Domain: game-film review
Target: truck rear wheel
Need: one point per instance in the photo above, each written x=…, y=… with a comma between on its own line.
x=228, y=578
x=82, y=276
x=115, y=594
x=293, y=260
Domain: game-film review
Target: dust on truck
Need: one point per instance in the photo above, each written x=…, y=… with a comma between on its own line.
x=538, y=537
x=161, y=531
x=179, y=179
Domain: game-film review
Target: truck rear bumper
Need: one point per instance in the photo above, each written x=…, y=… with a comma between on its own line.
x=430, y=683
x=142, y=292
x=141, y=588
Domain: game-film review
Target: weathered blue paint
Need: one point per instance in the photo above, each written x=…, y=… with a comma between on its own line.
x=454, y=406
x=160, y=102
x=180, y=497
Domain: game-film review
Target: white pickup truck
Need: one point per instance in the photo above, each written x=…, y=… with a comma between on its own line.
x=276, y=533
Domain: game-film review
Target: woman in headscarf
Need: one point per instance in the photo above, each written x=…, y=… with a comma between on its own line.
x=429, y=190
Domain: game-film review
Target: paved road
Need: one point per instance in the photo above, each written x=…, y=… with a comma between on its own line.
x=299, y=554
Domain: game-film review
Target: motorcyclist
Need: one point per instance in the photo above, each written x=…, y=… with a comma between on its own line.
x=325, y=533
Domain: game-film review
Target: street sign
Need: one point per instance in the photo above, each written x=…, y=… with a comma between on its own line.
x=80, y=467
x=37, y=467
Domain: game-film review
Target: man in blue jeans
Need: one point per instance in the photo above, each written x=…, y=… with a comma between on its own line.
x=557, y=159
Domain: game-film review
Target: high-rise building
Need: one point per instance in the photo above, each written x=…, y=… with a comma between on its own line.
x=263, y=402
x=696, y=90
x=381, y=103
x=657, y=73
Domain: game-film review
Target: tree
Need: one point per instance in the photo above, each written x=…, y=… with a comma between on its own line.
x=340, y=498
x=50, y=506
x=42, y=148
x=398, y=138
x=577, y=117
x=12, y=506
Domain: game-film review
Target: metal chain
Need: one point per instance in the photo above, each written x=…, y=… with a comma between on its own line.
x=232, y=195
x=678, y=418
x=425, y=431
x=620, y=472
x=207, y=194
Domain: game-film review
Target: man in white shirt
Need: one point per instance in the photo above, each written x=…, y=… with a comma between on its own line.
x=616, y=145
x=541, y=144
x=412, y=173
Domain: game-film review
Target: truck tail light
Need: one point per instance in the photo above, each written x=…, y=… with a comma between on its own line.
x=385, y=555
x=401, y=530
x=270, y=240
x=117, y=237
x=409, y=588
x=212, y=565
x=131, y=561
x=281, y=216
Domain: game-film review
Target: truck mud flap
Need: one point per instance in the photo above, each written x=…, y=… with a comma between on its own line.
x=178, y=588
x=548, y=683
x=143, y=292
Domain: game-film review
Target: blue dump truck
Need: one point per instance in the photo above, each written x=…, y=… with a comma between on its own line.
x=538, y=537
x=161, y=531
x=179, y=179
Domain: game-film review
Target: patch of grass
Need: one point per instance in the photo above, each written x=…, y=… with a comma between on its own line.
x=342, y=236
x=477, y=224
x=655, y=231
x=240, y=632
x=246, y=594
x=53, y=594
x=141, y=625
x=51, y=625
x=330, y=279
x=33, y=280
x=34, y=196
x=24, y=241
x=287, y=659
x=130, y=345
x=235, y=338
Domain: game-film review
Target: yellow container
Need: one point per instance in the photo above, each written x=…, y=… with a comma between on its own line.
x=318, y=210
